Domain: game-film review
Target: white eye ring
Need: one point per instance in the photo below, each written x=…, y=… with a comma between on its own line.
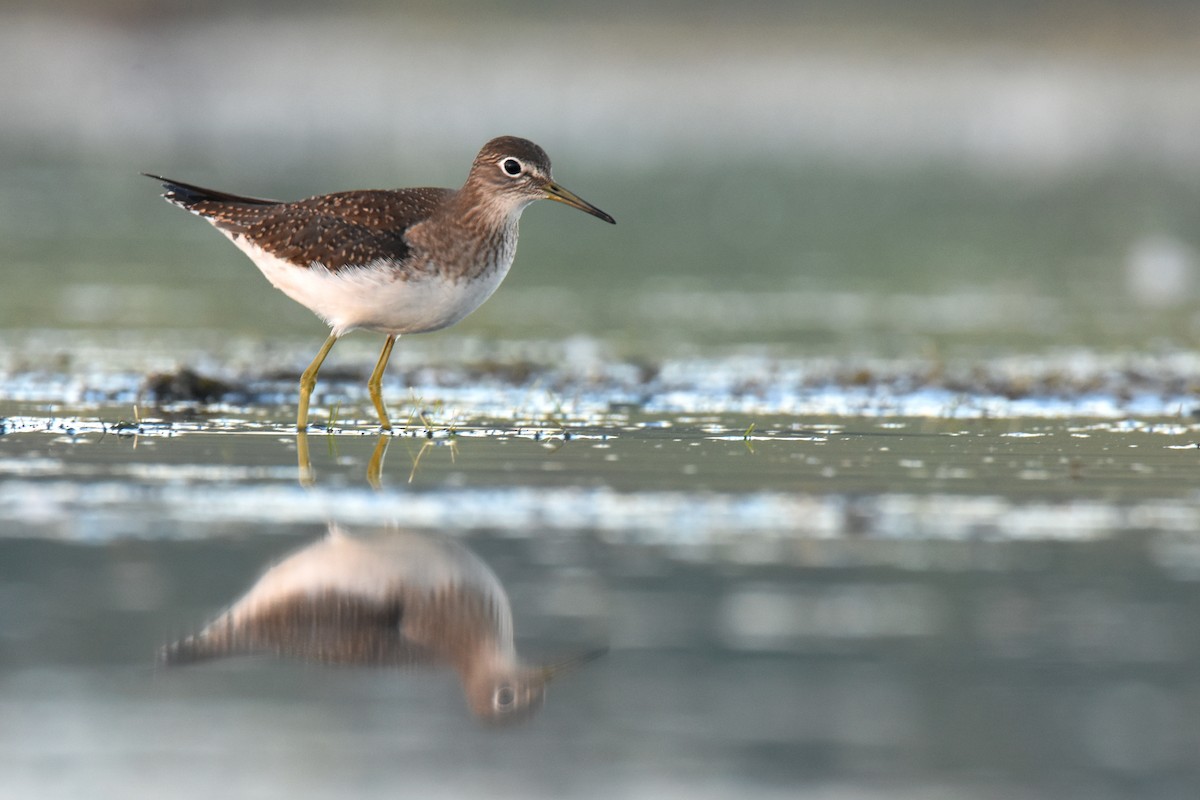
x=512, y=167
x=504, y=697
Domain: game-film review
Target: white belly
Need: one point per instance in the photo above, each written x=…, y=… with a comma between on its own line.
x=373, y=298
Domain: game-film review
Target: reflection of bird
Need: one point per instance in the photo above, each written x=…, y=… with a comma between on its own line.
x=394, y=599
x=396, y=262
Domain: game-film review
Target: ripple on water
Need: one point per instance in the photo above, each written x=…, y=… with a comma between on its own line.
x=704, y=525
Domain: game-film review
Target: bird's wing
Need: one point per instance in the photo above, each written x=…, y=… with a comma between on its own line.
x=347, y=229
x=328, y=628
x=336, y=231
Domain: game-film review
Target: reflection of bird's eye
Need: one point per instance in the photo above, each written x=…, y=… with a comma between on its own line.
x=504, y=697
x=512, y=166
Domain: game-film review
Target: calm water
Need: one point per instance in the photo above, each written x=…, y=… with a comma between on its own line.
x=866, y=441
x=874, y=606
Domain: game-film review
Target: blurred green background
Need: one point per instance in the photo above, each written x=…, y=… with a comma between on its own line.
x=822, y=177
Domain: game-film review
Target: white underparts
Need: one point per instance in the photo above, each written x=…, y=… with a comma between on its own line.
x=374, y=296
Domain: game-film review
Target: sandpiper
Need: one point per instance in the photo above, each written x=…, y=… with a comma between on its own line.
x=390, y=599
x=392, y=261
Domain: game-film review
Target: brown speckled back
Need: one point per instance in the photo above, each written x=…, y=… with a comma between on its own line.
x=340, y=230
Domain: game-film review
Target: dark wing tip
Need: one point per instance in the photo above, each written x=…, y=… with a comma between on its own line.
x=188, y=650
x=174, y=654
x=188, y=194
x=181, y=194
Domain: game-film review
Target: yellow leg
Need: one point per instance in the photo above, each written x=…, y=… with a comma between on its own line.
x=376, y=381
x=375, y=465
x=308, y=382
x=307, y=478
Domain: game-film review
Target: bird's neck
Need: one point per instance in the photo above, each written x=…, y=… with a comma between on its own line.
x=483, y=212
x=474, y=231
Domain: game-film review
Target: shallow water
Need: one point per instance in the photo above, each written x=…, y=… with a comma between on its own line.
x=881, y=567
x=869, y=604
x=866, y=441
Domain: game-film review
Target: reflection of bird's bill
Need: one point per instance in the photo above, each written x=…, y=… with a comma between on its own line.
x=552, y=671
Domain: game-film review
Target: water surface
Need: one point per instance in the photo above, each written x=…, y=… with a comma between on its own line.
x=866, y=441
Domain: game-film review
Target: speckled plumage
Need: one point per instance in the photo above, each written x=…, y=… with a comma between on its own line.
x=365, y=228
x=346, y=229
x=394, y=261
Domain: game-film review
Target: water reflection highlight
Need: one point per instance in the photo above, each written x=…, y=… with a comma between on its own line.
x=389, y=599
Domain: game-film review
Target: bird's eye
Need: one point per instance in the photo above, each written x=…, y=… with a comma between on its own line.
x=511, y=166
x=504, y=697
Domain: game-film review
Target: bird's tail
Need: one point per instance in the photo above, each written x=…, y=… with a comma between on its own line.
x=187, y=195
x=216, y=641
x=185, y=651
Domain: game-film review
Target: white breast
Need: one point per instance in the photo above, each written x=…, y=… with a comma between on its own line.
x=374, y=297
